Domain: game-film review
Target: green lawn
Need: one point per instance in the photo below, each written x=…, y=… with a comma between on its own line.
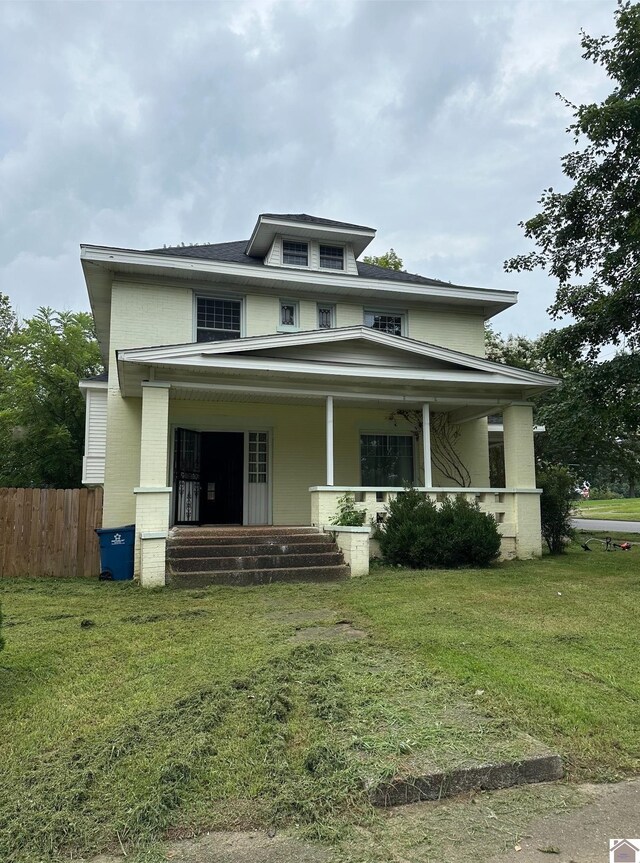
x=625, y=509
x=186, y=710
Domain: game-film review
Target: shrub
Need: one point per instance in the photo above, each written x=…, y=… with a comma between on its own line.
x=420, y=535
x=348, y=514
x=556, y=506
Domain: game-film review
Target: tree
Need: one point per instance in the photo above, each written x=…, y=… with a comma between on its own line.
x=589, y=237
x=520, y=352
x=41, y=407
x=587, y=425
x=390, y=260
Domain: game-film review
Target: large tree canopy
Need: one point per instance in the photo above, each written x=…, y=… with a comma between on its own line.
x=41, y=407
x=588, y=238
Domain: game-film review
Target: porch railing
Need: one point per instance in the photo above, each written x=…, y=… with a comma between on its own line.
x=501, y=503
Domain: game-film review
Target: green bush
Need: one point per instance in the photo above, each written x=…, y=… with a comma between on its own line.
x=420, y=535
x=604, y=494
x=556, y=506
x=348, y=514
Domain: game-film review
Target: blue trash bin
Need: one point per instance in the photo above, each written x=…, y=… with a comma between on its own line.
x=116, y=552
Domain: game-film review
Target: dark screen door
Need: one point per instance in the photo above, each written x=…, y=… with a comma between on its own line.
x=187, y=476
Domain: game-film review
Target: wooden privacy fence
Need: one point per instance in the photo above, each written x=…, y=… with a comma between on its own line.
x=49, y=531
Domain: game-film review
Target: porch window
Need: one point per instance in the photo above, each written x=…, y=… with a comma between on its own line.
x=385, y=322
x=258, y=452
x=218, y=320
x=386, y=459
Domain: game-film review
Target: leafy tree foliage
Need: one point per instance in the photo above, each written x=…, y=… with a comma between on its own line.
x=390, y=260
x=41, y=407
x=589, y=237
x=587, y=425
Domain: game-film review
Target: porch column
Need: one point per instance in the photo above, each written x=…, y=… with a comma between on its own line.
x=520, y=475
x=153, y=494
x=329, y=413
x=426, y=444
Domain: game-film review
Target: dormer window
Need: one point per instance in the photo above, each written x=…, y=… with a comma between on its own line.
x=332, y=257
x=295, y=254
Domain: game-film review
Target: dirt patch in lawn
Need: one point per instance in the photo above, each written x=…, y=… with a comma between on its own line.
x=343, y=630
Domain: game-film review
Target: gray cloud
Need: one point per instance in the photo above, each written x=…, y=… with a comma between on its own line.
x=138, y=124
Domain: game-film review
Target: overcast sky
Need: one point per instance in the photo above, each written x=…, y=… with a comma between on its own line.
x=144, y=123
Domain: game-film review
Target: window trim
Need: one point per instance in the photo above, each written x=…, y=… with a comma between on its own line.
x=387, y=433
x=288, y=328
x=342, y=246
x=219, y=295
x=301, y=242
x=376, y=310
x=332, y=308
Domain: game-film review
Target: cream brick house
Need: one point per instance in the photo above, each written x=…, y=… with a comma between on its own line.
x=253, y=382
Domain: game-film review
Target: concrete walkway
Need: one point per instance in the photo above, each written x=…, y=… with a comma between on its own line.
x=582, y=835
x=600, y=524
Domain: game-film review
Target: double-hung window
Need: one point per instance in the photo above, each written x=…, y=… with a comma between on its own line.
x=332, y=257
x=386, y=460
x=385, y=322
x=295, y=254
x=217, y=319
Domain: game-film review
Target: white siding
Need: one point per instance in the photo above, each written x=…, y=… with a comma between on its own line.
x=95, y=442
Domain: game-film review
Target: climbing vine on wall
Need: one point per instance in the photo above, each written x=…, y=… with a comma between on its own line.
x=444, y=437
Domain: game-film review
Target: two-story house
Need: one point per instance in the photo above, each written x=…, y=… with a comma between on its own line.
x=253, y=382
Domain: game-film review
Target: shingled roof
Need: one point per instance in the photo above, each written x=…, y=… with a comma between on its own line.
x=234, y=253
x=312, y=220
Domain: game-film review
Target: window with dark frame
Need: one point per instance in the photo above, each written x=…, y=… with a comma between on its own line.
x=385, y=322
x=326, y=317
x=295, y=253
x=217, y=320
x=332, y=257
x=386, y=460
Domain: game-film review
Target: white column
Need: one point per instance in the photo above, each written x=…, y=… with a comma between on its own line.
x=426, y=445
x=153, y=494
x=329, y=440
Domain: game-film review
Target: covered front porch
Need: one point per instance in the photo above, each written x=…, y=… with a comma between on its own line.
x=281, y=445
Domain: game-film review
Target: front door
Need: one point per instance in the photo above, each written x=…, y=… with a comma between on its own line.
x=222, y=475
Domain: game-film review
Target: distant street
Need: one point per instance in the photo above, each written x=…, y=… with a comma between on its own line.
x=600, y=524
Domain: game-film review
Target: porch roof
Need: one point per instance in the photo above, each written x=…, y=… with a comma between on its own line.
x=355, y=363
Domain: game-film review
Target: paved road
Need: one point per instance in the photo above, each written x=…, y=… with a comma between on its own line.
x=600, y=524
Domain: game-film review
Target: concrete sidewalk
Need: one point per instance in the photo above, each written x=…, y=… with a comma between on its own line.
x=581, y=835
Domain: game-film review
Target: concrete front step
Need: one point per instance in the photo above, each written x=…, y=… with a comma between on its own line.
x=246, y=577
x=262, y=561
x=211, y=539
x=178, y=552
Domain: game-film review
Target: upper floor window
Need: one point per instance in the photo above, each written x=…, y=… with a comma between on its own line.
x=332, y=257
x=217, y=319
x=288, y=315
x=386, y=322
x=326, y=316
x=295, y=253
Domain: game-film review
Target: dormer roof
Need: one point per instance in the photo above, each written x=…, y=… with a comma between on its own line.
x=305, y=227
